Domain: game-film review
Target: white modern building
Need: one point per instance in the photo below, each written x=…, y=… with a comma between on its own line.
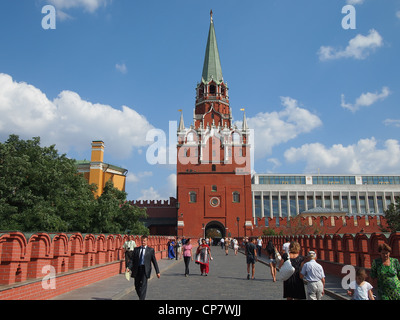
x=287, y=195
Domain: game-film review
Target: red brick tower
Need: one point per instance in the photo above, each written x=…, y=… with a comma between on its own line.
x=213, y=167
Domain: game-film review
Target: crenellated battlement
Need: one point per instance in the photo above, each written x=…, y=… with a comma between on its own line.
x=171, y=203
x=321, y=224
x=29, y=260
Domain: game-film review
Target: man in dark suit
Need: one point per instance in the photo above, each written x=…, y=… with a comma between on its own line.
x=140, y=265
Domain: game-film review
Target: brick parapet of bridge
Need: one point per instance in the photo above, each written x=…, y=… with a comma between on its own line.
x=322, y=224
x=23, y=257
x=358, y=250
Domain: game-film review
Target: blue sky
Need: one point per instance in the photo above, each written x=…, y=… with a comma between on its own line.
x=318, y=96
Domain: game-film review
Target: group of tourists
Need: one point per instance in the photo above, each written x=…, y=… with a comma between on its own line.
x=306, y=277
x=303, y=277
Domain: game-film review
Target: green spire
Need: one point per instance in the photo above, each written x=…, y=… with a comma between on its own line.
x=212, y=64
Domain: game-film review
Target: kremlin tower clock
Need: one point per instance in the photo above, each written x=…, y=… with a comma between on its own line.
x=213, y=165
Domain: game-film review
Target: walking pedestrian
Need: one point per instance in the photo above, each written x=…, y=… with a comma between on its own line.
x=140, y=265
x=387, y=271
x=203, y=257
x=259, y=246
x=286, y=245
x=293, y=288
x=171, y=249
x=226, y=245
x=128, y=247
x=187, y=255
x=271, y=250
x=235, y=246
x=251, y=258
x=178, y=246
x=313, y=273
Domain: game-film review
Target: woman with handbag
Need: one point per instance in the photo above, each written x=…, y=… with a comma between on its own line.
x=293, y=287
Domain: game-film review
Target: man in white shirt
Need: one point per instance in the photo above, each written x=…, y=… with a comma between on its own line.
x=285, y=246
x=313, y=273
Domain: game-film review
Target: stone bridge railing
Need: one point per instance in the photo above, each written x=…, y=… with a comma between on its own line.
x=75, y=259
x=334, y=251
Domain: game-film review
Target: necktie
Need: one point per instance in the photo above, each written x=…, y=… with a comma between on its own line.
x=141, y=258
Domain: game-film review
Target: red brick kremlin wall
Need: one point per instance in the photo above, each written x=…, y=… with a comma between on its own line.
x=320, y=225
x=78, y=260
x=334, y=251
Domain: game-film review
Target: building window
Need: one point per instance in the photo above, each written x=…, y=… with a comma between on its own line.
x=371, y=204
x=302, y=204
x=212, y=89
x=284, y=206
x=236, y=197
x=213, y=168
x=213, y=188
x=192, y=197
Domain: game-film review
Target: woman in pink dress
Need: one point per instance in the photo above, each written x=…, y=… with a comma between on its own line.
x=187, y=255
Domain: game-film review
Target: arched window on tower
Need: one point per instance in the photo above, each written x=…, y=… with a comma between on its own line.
x=213, y=89
x=192, y=197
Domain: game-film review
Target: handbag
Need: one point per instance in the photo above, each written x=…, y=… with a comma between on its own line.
x=278, y=257
x=286, y=271
x=128, y=275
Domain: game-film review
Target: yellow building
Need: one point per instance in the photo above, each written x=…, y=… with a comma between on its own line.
x=98, y=172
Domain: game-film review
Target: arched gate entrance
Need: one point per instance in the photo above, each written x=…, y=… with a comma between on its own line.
x=215, y=229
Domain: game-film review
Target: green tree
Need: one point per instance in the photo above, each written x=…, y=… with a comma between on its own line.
x=392, y=216
x=41, y=190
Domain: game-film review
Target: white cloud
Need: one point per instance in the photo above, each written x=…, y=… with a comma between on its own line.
x=149, y=194
x=272, y=129
x=164, y=192
x=354, y=2
x=136, y=178
x=366, y=99
x=88, y=5
x=392, y=122
x=121, y=67
x=358, y=48
x=68, y=121
x=363, y=157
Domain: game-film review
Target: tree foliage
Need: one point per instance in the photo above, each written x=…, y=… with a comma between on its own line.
x=41, y=190
x=392, y=216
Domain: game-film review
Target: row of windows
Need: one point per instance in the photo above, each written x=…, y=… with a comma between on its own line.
x=345, y=180
x=281, y=180
x=333, y=180
x=193, y=197
x=381, y=180
x=282, y=205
